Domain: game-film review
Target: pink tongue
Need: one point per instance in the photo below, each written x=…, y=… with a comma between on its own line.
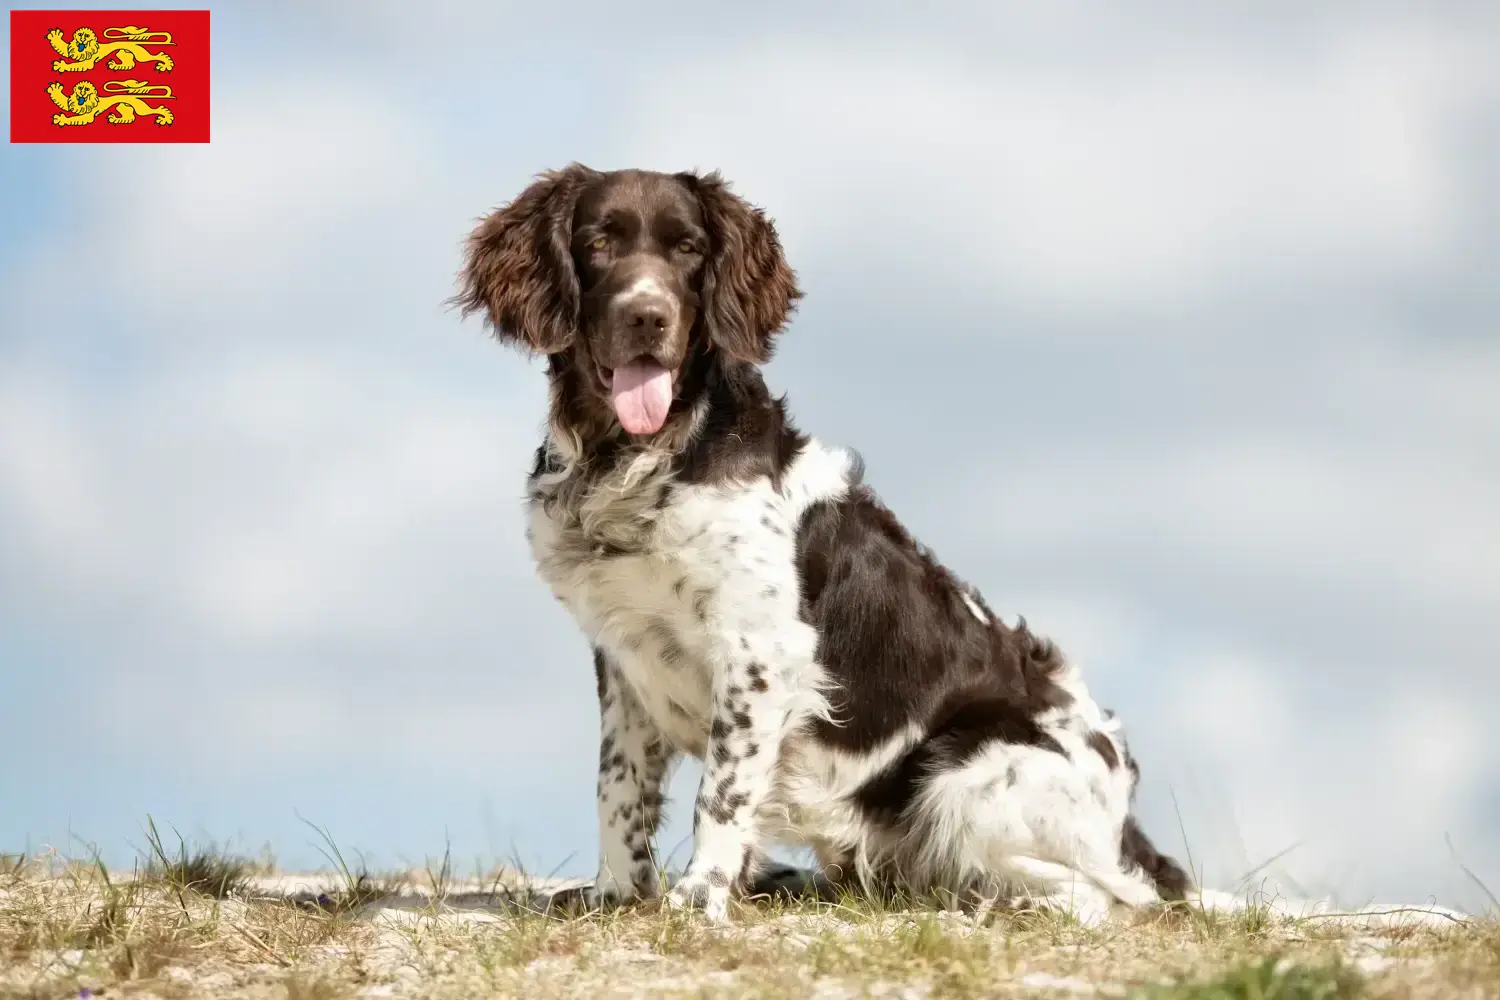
x=642, y=394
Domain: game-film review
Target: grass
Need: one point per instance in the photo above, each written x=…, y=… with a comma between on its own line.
x=189, y=922
x=208, y=871
x=1270, y=978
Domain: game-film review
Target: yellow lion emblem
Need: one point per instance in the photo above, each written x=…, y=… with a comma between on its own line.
x=127, y=97
x=80, y=54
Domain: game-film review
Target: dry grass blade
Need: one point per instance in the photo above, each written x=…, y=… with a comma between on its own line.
x=261, y=946
x=1494, y=902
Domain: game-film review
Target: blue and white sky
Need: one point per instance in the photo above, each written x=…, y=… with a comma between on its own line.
x=1175, y=328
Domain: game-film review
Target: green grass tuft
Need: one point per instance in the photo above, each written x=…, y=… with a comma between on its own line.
x=1271, y=977
x=205, y=870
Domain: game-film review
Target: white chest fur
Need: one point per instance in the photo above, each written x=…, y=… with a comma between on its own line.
x=665, y=577
x=644, y=606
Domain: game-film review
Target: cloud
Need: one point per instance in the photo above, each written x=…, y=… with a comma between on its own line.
x=210, y=235
x=1165, y=177
x=1315, y=513
x=258, y=465
x=188, y=510
x=231, y=480
x=1360, y=792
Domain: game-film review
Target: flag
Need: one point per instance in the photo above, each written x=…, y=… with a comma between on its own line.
x=109, y=76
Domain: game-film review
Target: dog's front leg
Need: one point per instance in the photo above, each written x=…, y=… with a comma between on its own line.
x=737, y=773
x=633, y=761
x=764, y=686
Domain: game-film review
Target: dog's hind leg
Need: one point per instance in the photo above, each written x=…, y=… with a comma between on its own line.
x=1097, y=885
x=1031, y=817
x=1050, y=885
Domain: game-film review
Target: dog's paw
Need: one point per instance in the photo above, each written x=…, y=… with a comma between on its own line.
x=697, y=892
x=608, y=893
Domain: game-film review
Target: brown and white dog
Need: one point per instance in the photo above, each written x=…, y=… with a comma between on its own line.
x=751, y=602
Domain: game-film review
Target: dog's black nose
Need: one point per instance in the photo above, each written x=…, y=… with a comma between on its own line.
x=646, y=314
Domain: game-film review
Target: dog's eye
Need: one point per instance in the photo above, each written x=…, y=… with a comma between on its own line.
x=687, y=246
x=600, y=243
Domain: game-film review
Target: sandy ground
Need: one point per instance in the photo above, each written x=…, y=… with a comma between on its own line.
x=75, y=931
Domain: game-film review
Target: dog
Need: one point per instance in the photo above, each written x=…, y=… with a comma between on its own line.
x=751, y=602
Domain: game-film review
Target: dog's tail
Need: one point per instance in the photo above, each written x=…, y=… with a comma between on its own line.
x=1171, y=881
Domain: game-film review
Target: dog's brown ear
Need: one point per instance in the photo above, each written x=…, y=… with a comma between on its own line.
x=749, y=290
x=518, y=265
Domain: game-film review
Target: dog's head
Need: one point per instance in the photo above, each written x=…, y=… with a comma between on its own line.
x=625, y=276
